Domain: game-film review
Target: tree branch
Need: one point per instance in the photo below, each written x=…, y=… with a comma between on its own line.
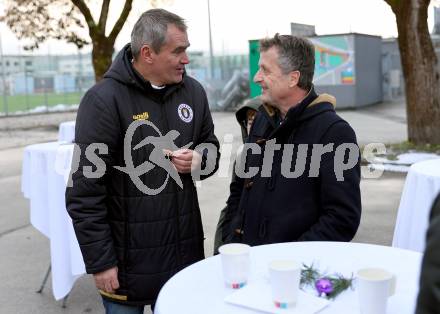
x=31, y=20
x=395, y=5
x=391, y=2
x=121, y=20
x=104, y=13
x=82, y=6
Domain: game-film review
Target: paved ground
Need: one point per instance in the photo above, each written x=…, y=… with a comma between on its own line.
x=25, y=252
x=19, y=131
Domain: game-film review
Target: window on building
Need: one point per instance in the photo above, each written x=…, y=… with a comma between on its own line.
x=16, y=63
x=28, y=63
x=7, y=63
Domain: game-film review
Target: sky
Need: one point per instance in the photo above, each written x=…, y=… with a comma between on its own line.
x=234, y=22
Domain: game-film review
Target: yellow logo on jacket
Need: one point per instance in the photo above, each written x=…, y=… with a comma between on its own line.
x=141, y=116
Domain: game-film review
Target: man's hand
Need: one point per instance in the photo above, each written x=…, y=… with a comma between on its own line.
x=186, y=160
x=107, y=280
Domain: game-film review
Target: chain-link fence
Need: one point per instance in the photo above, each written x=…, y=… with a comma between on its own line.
x=30, y=93
x=43, y=83
x=228, y=84
x=31, y=84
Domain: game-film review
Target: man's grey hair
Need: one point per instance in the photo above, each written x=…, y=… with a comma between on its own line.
x=295, y=54
x=151, y=29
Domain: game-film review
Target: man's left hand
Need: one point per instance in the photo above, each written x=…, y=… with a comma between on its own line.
x=186, y=160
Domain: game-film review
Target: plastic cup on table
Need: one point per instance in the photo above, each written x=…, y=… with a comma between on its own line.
x=236, y=263
x=375, y=286
x=285, y=278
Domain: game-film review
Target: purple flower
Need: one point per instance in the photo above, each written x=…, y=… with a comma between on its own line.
x=324, y=285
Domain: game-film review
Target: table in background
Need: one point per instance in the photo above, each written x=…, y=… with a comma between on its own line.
x=199, y=288
x=66, y=132
x=46, y=167
x=421, y=188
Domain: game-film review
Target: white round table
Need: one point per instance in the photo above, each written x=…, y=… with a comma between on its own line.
x=199, y=288
x=45, y=172
x=66, y=132
x=421, y=188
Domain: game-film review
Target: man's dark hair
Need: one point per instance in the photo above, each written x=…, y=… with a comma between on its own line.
x=295, y=54
x=151, y=28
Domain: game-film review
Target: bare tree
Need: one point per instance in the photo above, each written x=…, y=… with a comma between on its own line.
x=35, y=20
x=420, y=70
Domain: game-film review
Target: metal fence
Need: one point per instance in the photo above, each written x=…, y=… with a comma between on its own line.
x=43, y=83
x=30, y=84
x=228, y=84
x=23, y=94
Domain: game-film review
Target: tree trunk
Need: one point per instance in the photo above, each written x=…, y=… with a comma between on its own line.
x=102, y=56
x=103, y=47
x=420, y=71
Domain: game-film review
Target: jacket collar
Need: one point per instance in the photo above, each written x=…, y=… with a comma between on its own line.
x=312, y=105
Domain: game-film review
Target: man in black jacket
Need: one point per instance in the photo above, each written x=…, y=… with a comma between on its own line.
x=301, y=179
x=428, y=300
x=245, y=117
x=135, y=211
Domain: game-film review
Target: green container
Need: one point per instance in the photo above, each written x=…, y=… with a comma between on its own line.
x=254, y=57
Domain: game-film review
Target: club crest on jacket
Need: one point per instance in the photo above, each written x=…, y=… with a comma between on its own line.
x=185, y=113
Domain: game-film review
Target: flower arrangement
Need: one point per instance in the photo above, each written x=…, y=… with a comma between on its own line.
x=328, y=286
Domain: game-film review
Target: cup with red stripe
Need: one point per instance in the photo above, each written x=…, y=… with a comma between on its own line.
x=236, y=285
x=235, y=263
x=285, y=277
x=284, y=305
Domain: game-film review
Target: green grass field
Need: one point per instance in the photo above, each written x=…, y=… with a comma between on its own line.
x=22, y=102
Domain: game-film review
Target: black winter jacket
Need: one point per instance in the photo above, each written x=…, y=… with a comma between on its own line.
x=149, y=237
x=428, y=300
x=317, y=207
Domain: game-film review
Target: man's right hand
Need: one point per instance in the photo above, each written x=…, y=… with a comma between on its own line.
x=107, y=280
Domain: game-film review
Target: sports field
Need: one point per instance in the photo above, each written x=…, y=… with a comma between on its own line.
x=27, y=102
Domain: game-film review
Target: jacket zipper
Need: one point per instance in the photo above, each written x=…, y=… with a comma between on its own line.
x=178, y=250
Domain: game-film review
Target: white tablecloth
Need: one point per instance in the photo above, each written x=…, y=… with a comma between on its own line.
x=421, y=187
x=66, y=132
x=45, y=171
x=200, y=288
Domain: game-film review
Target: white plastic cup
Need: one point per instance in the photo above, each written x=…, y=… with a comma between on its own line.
x=285, y=277
x=236, y=264
x=375, y=286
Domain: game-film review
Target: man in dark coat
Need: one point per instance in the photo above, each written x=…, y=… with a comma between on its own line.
x=428, y=301
x=301, y=173
x=245, y=116
x=135, y=211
